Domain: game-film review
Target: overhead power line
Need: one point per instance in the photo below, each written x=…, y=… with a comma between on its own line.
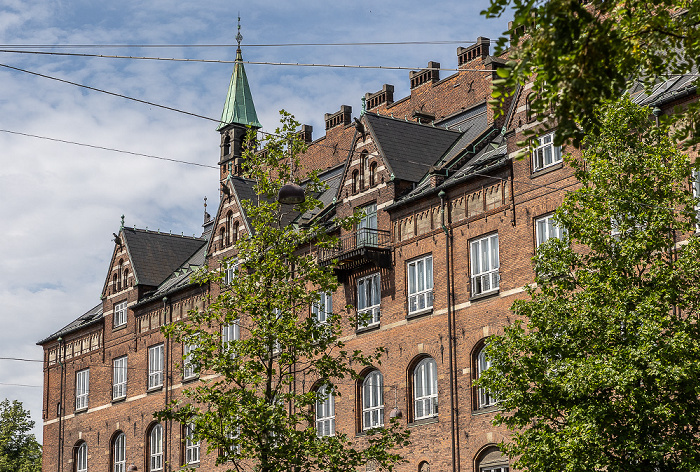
x=19, y=385
x=95, y=46
x=106, y=149
x=19, y=359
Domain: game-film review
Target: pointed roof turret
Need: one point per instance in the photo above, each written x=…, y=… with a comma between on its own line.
x=239, y=107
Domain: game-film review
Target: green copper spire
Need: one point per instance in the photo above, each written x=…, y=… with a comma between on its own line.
x=239, y=107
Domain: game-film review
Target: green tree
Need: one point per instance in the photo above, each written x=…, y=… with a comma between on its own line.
x=19, y=450
x=258, y=412
x=600, y=369
x=581, y=54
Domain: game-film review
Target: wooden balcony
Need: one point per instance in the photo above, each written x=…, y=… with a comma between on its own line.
x=356, y=249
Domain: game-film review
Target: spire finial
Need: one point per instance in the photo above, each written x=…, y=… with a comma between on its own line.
x=207, y=216
x=121, y=227
x=239, y=36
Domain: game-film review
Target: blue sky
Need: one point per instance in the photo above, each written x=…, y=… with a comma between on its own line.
x=59, y=203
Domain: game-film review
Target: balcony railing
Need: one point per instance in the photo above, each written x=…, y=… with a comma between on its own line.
x=360, y=245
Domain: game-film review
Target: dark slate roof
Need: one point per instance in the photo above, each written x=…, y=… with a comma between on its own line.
x=665, y=91
x=154, y=256
x=332, y=178
x=92, y=317
x=471, y=129
x=409, y=148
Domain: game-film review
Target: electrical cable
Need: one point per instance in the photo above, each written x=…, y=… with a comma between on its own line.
x=374, y=43
x=19, y=385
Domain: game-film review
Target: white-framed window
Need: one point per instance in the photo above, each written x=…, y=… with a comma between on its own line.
x=546, y=228
x=82, y=389
x=155, y=366
x=485, y=263
x=420, y=284
x=368, y=300
x=119, y=377
x=325, y=413
x=425, y=393
x=498, y=468
x=188, y=368
x=230, y=270
x=229, y=334
x=695, y=181
x=120, y=314
x=367, y=226
x=484, y=397
x=119, y=453
x=373, y=400
x=545, y=153
x=323, y=307
x=191, y=446
x=155, y=448
x=81, y=458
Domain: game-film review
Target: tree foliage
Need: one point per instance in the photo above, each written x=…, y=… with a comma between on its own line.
x=581, y=54
x=600, y=371
x=19, y=450
x=257, y=411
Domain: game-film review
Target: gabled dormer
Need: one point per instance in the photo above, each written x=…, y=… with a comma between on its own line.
x=230, y=223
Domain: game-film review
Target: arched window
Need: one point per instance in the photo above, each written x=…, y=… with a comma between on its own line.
x=114, y=283
x=491, y=459
x=155, y=448
x=234, y=234
x=425, y=393
x=363, y=168
x=484, y=399
x=528, y=108
x=119, y=453
x=373, y=174
x=81, y=457
x=355, y=177
x=119, y=272
x=372, y=400
x=227, y=145
x=222, y=237
x=325, y=413
x=125, y=276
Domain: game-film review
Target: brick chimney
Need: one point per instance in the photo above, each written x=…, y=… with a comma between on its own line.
x=305, y=133
x=385, y=95
x=341, y=117
x=478, y=50
x=429, y=74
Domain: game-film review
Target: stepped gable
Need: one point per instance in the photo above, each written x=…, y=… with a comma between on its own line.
x=154, y=256
x=408, y=147
x=93, y=316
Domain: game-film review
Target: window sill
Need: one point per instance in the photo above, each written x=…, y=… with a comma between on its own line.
x=422, y=421
x=81, y=410
x=546, y=170
x=155, y=389
x=364, y=433
x=190, y=379
x=418, y=314
x=488, y=294
x=118, y=400
x=485, y=410
x=364, y=329
x=194, y=465
x=119, y=328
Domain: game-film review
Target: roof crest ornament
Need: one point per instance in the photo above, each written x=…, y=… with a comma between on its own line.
x=121, y=227
x=239, y=36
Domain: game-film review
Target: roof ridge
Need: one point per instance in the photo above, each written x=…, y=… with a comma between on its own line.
x=399, y=120
x=162, y=233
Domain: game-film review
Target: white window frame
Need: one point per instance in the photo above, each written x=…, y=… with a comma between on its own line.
x=367, y=234
x=323, y=307
x=325, y=413
x=545, y=154
x=373, y=400
x=419, y=274
x=81, y=458
x=155, y=448
x=119, y=453
x=546, y=228
x=82, y=389
x=695, y=182
x=230, y=270
x=497, y=468
x=425, y=389
x=119, y=375
x=484, y=397
x=369, y=300
x=120, y=311
x=155, y=366
x=229, y=334
x=485, y=277
x=191, y=446
x=188, y=369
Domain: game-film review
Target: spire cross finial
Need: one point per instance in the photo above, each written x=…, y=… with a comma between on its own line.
x=239, y=36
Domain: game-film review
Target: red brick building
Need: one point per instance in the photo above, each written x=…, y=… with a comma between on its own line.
x=452, y=222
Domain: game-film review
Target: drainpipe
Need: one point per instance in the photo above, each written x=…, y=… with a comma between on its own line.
x=166, y=366
x=453, y=425
x=61, y=357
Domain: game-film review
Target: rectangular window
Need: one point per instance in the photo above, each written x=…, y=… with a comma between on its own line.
x=230, y=270
x=155, y=366
x=545, y=153
x=367, y=226
x=546, y=228
x=188, y=369
x=82, y=389
x=323, y=307
x=368, y=300
x=119, y=378
x=420, y=284
x=485, y=263
x=325, y=413
x=120, y=314
x=695, y=180
x=229, y=334
x=191, y=446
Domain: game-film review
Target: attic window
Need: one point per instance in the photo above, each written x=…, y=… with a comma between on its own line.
x=355, y=178
x=363, y=166
x=234, y=234
x=222, y=236
x=118, y=275
x=373, y=174
x=125, y=276
x=229, y=227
